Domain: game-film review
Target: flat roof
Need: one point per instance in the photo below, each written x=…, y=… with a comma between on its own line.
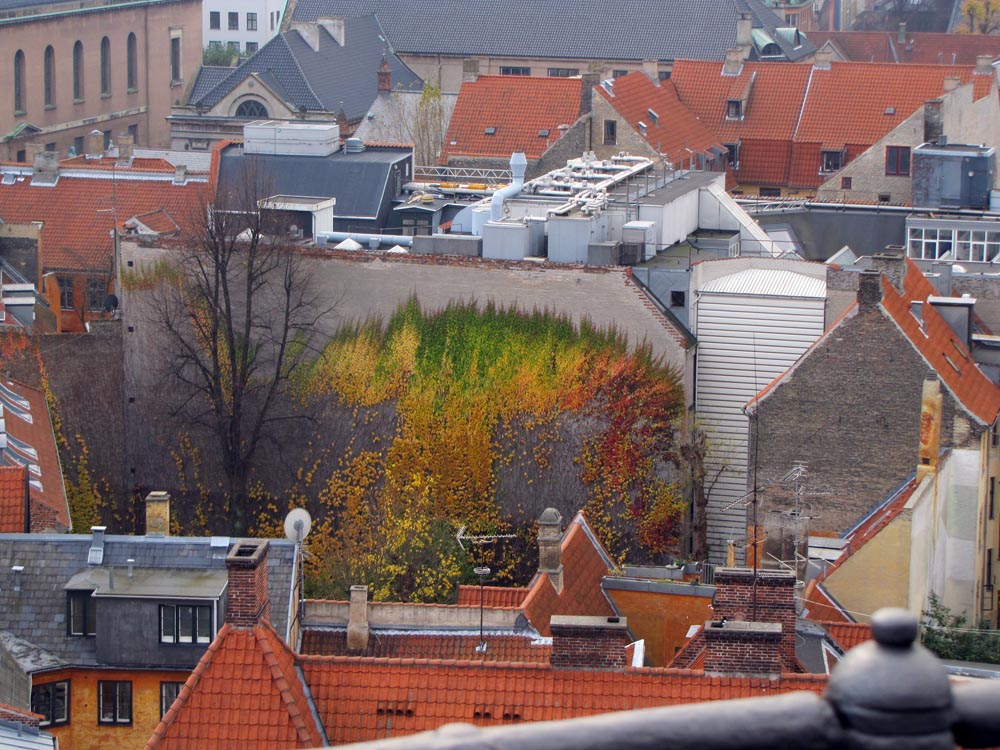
x=153, y=583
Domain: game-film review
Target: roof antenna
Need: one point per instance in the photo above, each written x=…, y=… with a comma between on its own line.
x=481, y=570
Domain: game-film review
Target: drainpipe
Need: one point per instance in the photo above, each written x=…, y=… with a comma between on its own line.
x=518, y=164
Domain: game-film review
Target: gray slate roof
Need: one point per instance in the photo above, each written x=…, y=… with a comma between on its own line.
x=317, y=81
x=576, y=29
x=357, y=181
x=33, y=620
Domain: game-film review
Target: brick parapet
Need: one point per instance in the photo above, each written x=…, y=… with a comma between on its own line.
x=588, y=645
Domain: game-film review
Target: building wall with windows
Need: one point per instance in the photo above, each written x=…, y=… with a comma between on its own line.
x=243, y=25
x=883, y=173
x=87, y=709
x=70, y=70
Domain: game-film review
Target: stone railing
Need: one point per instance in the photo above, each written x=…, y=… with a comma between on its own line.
x=889, y=693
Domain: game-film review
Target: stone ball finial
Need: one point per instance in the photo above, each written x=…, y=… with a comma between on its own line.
x=895, y=627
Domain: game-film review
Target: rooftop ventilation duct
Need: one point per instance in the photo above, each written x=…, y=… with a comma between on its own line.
x=518, y=165
x=96, y=554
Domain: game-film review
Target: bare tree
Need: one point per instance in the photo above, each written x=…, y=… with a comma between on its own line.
x=240, y=319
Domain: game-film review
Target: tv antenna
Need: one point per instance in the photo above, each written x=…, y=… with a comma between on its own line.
x=298, y=522
x=481, y=570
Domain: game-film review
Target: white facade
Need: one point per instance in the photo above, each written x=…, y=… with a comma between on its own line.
x=753, y=317
x=241, y=23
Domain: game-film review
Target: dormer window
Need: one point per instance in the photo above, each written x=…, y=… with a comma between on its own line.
x=831, y=161
x=734, y=109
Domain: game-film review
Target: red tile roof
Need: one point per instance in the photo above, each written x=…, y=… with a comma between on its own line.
x=919, y=47
x=940, y=347
x=34, y=428
x=78, y=212
x=245, y=693
x=369, y=699
x=675, y=127
x=519, y=107
x=848, y=634
x=493, y=596
x=13, y=499
x=412, y=645
x=138, y=164
x=585, y=564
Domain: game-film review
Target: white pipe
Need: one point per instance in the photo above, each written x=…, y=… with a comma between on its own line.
x=518, y=165
x=383, y=239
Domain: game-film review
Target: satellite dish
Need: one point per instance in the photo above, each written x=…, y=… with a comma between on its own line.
x=297, y=525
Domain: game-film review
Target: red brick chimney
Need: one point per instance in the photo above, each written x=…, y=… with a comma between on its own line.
x=248, y=602
x=737, y=647
x=589, y=642
x=775, y=604
x=384, y=77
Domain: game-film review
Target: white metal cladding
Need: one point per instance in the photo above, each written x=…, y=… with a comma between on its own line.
x=745, y=340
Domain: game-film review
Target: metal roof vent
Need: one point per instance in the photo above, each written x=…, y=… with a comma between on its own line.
x=354, y=145
x=96, y=554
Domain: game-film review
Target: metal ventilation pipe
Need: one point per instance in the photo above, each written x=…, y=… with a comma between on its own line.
x=518, y=164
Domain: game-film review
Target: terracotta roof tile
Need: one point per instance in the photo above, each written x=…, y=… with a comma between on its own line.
x=675, y=127
x=940, y=347
x=33, y=427
x=848, y=634
x=518, y=107
x=585, y=564
x=493, y=596
x=13, y=499
x=244, y=672
x=426, y=695
x=925, y=48
x=462, y=646
x=77, y=213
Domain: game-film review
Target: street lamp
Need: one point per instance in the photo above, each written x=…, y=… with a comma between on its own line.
x=482, y=571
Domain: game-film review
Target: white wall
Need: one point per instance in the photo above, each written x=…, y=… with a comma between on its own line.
x=263, y=9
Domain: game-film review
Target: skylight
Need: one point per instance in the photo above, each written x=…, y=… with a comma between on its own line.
x=491, y=130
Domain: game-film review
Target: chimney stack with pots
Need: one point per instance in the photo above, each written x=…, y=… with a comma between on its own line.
x=357, y=624
x=550, y=546
x=248, y=603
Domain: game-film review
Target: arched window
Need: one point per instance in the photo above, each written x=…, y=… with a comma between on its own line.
x=105, y=66
x=133, y=70
x=252, y=110
x=50, y=76
x=78, y=71
x=19, y=81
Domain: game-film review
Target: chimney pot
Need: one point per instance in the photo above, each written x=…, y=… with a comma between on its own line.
x=158, y=514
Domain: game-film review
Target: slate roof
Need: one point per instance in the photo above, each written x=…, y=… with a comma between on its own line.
x=675, y=127
x=927, y=48
x=245, y=693
x=518, y=109
x=357, y=181
x=33, y=621
x=13, y=505
x=573, y=29
x=585, y=564
x=326, y=80
x=362, y=699
x=31, y=430
x=77, y=211
x=412, y=644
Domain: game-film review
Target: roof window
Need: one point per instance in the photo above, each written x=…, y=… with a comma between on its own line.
x=491, y=130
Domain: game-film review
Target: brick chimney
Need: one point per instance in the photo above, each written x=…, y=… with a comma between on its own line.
x=93, y=144
x=126, y=145
x=470, y=70
x=744, y=30
x=933, y=120
x=735, y=647
x=892, y=264
x=158, y=514
x=357, y=624
x=869, y=290
x=734, y=62
x=984, y=65
x=652, y=70
x=248, y=601
x=589, y=642
x=775, y=604
x=550, y=546
x=384, y=77
x=587, y=83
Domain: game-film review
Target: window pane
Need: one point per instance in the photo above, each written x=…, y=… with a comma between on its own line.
x=41, y=702
x=204, y=624
x=90, y=613
x=185, y=624
x=168, y=694
x=124, y=702
x=168, y=632
x=106, y=701
x=60, y=702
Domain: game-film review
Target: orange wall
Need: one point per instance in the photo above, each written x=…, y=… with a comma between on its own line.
x=84, y=733
x=661, y=619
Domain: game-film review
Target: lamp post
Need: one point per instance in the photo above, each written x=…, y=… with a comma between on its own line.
x=482, y=571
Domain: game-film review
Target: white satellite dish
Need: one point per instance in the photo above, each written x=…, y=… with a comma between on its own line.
x=297, y=525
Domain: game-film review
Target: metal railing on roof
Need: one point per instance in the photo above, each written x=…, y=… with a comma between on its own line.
x=460, y=174
x=887, y=693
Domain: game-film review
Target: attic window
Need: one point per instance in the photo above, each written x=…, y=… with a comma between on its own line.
x=734, y=109
x=890, y=110
x=543, y=133
x=831, y=161
x=491, y=130
x=653, y=116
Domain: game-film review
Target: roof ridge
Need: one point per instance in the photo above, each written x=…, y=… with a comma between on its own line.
x=188, y=687
x=263, y=635
x=298, y=65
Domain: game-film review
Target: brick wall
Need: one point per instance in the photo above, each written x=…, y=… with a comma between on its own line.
x=851, y=411
x=19, y=717
x=589, y=643
x=248, y=603
x=775, y=603
x=743, y=648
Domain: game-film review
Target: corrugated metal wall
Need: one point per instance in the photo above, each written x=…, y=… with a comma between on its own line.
x=744, y=342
